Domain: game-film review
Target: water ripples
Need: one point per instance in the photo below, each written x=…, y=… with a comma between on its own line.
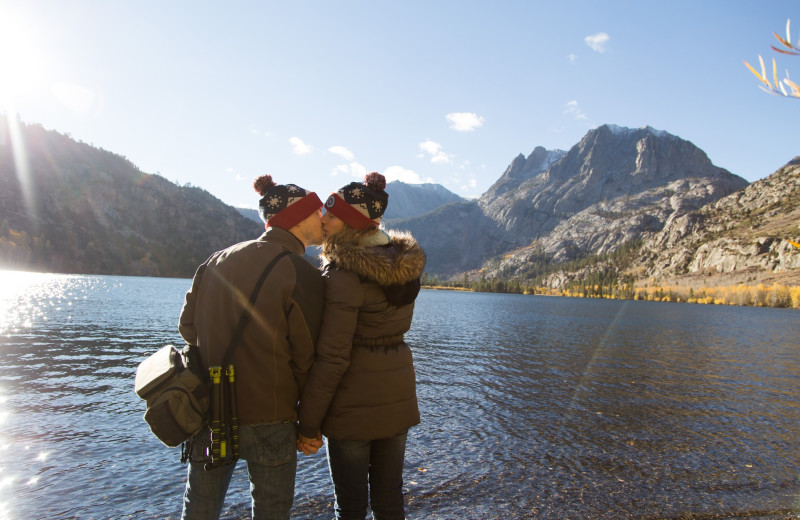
x=532, y=407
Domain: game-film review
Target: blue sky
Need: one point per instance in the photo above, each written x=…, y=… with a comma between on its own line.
x=319, y=93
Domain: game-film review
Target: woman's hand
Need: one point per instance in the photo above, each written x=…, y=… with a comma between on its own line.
x=307, y=445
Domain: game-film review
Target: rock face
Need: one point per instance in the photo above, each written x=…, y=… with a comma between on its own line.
x=521, y=169
x=739, y=238
x=616, y=185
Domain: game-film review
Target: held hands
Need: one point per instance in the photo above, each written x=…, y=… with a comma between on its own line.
x=308, y=445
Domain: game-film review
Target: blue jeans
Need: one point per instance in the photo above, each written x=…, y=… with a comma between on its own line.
x=368, y=471
x=271, y=456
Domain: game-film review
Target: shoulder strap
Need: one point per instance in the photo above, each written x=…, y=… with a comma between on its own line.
x=237, y=334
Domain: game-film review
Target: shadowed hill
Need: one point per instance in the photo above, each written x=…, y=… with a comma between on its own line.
x=80, y=209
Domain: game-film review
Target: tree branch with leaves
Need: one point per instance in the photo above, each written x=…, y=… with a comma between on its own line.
x=779, y=88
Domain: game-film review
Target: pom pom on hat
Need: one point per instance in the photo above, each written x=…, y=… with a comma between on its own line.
x=360, y=204
x=262, y=184
x=284, y=206
x=375, y=181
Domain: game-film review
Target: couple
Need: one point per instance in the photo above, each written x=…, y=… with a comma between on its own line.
x=330, y=341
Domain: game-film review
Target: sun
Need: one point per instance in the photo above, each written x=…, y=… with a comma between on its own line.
x=21, y=65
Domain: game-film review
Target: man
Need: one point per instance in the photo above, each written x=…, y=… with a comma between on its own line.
x=273, y=356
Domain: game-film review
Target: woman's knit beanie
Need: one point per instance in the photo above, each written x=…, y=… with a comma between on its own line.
x=360, y=204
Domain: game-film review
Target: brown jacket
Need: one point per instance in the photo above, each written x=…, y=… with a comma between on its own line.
x=362, y=385
x=277, y=347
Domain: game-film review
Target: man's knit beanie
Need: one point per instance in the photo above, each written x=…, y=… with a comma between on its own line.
x=284, y=205
x=360, y=204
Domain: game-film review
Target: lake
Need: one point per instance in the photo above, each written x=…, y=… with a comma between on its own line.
x=532, y=407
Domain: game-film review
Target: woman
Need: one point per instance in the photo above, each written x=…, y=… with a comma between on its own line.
x=361, y=393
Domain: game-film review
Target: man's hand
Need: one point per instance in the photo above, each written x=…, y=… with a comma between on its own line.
x=309, y=446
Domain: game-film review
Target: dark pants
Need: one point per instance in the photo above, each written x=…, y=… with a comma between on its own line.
x=368, y=472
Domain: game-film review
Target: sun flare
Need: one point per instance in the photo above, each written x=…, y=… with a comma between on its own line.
x=21, y=64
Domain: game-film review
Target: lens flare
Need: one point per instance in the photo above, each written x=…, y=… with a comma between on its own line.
x=22, y=71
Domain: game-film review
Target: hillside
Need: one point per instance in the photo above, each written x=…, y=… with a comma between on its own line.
x=74, y=208
x=735, y=250
x=741, y=238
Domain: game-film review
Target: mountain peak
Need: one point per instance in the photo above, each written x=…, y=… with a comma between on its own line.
x=624, y=130
x=523, y=168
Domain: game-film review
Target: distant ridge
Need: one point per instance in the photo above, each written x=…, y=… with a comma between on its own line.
x=250, y=214
x=411, y=200
x=92, y=211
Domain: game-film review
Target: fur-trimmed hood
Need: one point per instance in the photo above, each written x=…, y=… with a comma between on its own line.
x=398, y=262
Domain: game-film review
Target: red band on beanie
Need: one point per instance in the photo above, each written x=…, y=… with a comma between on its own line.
x=352, y=217
x=295, y=213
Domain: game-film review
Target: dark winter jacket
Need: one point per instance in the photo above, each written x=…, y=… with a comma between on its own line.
x=277, y=347
x=362, y=385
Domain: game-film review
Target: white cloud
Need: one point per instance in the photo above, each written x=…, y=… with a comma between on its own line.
x=464, y=121
x=430, y=147
x=575, y=111
x=299, y=147
x=434, y=149
x=572, y=58
x=597, y=42
x=342, y=152
x=398, y=173
x=353, y=169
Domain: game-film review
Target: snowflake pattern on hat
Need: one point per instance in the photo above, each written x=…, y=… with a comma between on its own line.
x=278, y=198
x=369, y=202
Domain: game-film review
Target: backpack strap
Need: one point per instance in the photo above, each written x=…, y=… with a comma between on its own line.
x=237, y=334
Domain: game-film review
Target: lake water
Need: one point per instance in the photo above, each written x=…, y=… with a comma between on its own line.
x=532, y=407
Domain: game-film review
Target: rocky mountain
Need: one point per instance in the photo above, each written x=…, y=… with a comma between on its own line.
x=69, y=207
x=741, y=238
x=636, y=203
x=614, y=186
x=411, y=200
